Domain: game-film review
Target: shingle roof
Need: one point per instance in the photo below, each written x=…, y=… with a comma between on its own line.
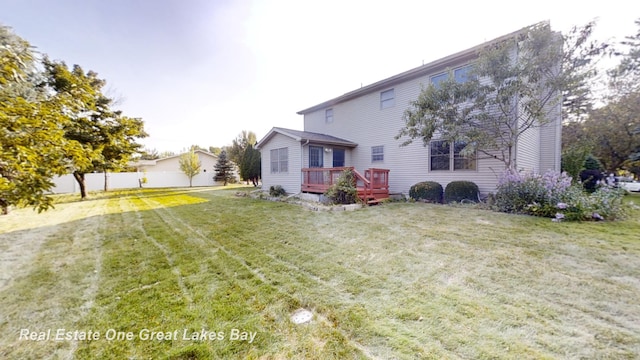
x=304, y=136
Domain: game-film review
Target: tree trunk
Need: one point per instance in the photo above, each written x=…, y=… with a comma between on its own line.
x=106, y=181
x=80, y=179
x=190, y=181
x=4, y=206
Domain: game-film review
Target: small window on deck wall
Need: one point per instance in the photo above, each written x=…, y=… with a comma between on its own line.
x=377, y=153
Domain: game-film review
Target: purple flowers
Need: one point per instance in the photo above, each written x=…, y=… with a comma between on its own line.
x=553, y=195
x=559, y=217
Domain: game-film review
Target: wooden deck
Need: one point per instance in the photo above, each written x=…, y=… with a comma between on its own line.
x=372, y=186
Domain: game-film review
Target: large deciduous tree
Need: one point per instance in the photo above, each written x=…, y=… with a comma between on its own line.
x=615, y=131
x=612, y=132
x=239, y=145
x=516, y=84
x=107, y=138
x=190, y=165
x=32, y=141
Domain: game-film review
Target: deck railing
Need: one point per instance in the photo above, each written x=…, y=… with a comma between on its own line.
x=373, y=185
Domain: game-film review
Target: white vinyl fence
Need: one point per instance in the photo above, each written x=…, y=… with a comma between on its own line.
x=95, y=181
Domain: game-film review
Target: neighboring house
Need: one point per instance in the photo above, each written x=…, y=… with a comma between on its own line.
x=172, y=163
x=357, y=130
x=170, y=166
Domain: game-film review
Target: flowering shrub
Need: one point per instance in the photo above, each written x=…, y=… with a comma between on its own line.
x=533, y=194
x=552, y=195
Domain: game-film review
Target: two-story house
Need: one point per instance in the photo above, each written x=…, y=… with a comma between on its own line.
x=358, y=128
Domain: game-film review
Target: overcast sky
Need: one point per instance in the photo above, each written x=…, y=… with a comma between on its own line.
x=201, y=71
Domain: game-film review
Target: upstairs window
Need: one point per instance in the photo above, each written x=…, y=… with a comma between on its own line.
x=437, y=79
x=387, y=99
x=460, y=75
x=328, y=116
x=463, y=74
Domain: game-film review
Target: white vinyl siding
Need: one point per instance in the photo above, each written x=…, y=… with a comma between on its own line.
x=289, y=180
x=367, y=126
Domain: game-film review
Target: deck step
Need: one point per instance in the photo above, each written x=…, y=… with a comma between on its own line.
x=374, y=201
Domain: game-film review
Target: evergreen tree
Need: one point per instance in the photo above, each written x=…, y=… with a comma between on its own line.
x=250, y=165
x=223, y=169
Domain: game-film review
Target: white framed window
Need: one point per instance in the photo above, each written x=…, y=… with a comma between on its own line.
x=387, y=99
x=461, y=162
x=280, y=160
x=437, y=79
x=377, y=153
x=460, y=75
x=439, y=152
x=328, y=116
x=443, y=156
x=463, y=74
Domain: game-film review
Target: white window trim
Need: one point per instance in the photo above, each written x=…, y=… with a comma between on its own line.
x=279, y=160
x=449, y=72
x=381, y=153
x=389, y=102
x=452, y=157
x=328, y=116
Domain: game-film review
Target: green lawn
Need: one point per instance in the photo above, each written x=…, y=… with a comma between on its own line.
x=393, y=281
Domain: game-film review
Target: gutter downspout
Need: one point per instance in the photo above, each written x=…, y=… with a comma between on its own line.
x=302, y=161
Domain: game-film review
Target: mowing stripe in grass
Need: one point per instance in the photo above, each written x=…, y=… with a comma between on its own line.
x=176, y=223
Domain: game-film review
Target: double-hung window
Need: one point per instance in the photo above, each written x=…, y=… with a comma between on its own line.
x=377, y=153
x=328, y=116
x=387, y=99
x=280, y=160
